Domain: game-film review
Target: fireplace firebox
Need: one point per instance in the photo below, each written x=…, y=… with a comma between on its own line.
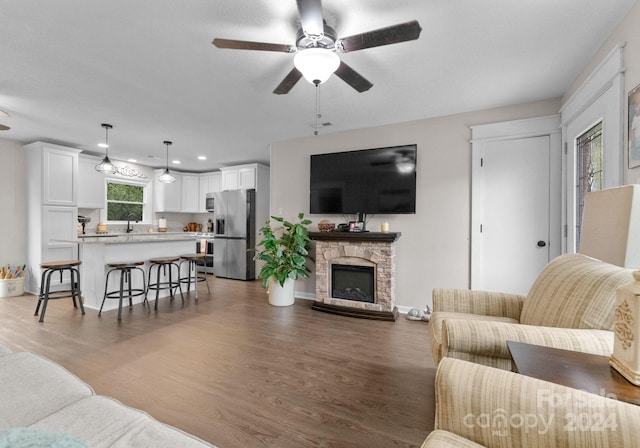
x=351, y=282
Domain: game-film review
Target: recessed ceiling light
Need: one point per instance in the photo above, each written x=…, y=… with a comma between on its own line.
x=175, y=162
x=202, y=157
x=102, y=145
x=132, y=160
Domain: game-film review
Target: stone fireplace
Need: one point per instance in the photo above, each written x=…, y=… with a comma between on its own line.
x=355, y=274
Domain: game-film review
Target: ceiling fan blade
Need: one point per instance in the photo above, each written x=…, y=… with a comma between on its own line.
x=353, y=78
x=383, y=36
x=311, y=17
x=4, y=128
x=288, y=82
x=247, y=45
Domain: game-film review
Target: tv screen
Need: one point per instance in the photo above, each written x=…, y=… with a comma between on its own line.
x=372, y=181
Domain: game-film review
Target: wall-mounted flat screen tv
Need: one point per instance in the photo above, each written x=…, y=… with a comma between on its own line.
x=368, y=181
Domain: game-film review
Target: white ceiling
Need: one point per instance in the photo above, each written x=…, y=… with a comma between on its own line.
x=148, y=68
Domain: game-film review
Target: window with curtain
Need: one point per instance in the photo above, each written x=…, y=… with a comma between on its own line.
x=589, y=153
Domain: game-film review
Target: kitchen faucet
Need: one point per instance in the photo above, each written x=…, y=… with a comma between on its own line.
x=131, y=216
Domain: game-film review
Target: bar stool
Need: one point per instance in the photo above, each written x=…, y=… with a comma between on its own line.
x=193, y=261
x=124, y=269
x=45, y=284
x=164, y=263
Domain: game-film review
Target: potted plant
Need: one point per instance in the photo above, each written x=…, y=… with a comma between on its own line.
x=284, y=251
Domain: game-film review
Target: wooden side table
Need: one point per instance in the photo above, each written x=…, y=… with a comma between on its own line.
x=578, y=370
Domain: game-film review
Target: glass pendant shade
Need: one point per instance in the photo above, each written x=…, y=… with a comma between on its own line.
x=316, y=64
x=106, y=167
x=167, y=177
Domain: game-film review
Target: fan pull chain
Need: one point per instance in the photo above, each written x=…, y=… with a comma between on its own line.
x=318, y=115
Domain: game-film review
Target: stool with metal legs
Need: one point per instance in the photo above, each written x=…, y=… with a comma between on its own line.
x=125, y=290
x=193, y=261
x=170, y=284
x=46, y=294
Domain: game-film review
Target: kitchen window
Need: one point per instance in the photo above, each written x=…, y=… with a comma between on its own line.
x=126, y=201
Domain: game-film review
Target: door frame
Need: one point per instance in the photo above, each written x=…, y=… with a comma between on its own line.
x=512, y=130
x=599, y=97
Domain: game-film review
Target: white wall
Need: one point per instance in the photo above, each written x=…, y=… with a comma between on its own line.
x=12, y=203
x=433, y=250
x=627, y=32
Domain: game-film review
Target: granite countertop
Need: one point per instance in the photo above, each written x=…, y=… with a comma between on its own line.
x=118, y=238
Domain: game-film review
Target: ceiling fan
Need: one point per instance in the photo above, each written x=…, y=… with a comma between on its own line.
x=317, y=44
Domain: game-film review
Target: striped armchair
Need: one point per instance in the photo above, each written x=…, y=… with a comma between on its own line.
x=480, y=406
x=570, y=306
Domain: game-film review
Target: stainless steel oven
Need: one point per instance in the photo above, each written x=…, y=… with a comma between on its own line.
x=204, y=244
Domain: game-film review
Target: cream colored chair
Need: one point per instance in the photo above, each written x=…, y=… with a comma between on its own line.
x=570, y=306
x=482, y=406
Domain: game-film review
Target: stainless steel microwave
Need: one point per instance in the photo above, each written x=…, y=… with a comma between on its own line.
x=209, y=204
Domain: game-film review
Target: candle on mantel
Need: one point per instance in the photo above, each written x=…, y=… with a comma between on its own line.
x=384, y=227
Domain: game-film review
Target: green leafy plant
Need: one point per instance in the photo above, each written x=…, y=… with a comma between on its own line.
x=284, y=249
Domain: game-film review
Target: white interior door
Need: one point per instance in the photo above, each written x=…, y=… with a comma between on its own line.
x=510, y=213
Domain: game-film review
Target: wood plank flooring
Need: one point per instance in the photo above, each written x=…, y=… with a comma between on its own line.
x=238, y=372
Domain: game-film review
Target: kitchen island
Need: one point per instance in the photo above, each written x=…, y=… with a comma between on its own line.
x=96, y=251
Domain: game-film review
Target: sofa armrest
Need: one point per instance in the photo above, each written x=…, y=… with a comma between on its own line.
x=485, y=303
x=494, y=408
x=473, y=340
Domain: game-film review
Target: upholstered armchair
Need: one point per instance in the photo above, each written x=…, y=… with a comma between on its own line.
x=480, y=406
x=570, y=306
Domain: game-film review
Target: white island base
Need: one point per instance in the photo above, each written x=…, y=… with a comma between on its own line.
x=97, y=253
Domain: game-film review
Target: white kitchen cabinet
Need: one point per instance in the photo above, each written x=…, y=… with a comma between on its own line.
x=59, y=227
x=59, y=175
x=190, y=193
x=91, y=183
x=52, y=214
x=167, y=197
x=209, y=183
x=243, y=177
x=229, y=179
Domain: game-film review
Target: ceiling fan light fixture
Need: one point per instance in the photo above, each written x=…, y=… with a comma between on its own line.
x=106, y=167
x=167, y=177
x=316, y=64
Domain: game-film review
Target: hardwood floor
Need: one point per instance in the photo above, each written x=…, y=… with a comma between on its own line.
x=238, y=372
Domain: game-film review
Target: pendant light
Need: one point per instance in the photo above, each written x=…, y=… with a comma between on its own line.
x=167, y=177
x=106, y=167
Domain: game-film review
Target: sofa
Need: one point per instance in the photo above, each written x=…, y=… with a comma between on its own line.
x=45, y=405
x=570, y=306
x=477, y=405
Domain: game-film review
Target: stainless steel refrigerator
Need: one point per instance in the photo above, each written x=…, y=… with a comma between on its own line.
x=235, y=229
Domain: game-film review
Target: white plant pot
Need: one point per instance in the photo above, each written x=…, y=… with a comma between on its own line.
x=282, y=295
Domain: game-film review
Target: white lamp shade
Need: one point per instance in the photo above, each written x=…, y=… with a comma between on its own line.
x=611, y=226
x=166, y=177
x=316, y=64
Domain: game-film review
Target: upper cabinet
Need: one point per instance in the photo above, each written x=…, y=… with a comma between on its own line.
x=91, y=183
x=56, y=168
x=190, y=193
x=243, y=177
x=209, y=183
x=167, y=197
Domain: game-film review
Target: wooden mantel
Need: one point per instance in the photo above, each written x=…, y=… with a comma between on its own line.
x=387, y=237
